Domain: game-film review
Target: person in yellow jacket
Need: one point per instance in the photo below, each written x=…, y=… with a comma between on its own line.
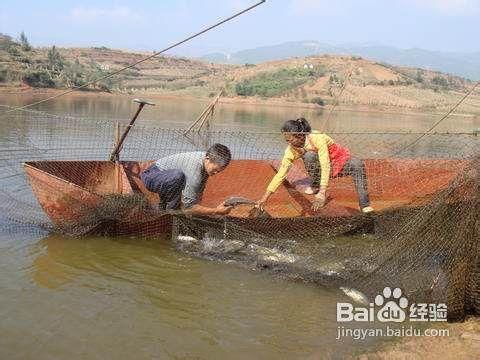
x=323, y=159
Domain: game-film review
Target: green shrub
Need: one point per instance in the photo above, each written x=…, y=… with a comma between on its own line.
x=104, y=86
x=270, y=84
x=73, y=74
x=440, y=81
x=39, y=78
x=25, y=60
x=24, y=42
x=419, y=77
x=333, y=79
x=12, y=49
x=55, y=61
x=3, y=75
x=318, y=101
x=93, y=72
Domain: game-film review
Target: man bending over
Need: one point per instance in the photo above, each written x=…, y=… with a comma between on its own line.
x=185, y=175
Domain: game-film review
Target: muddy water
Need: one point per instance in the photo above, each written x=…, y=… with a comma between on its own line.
x=97, y=298
x=138, y=298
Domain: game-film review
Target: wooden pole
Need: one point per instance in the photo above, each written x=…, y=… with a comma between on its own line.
x=118, y=180
x=205, y=113
x=197, y=120
x=115, y=153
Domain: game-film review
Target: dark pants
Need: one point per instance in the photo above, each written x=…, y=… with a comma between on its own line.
x=353, y=167
x=168, y=184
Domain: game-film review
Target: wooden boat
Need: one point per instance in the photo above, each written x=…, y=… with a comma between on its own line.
x=108, y=197
x=74, y=192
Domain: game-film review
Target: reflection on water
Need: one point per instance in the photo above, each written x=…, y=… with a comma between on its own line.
x=138, y=298
x=177, y=112
x=94, y=128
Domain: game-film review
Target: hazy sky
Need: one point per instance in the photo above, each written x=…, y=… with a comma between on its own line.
x=447, y=25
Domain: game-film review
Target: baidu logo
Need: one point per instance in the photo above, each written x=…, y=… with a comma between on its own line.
x=393, y=305
x=389, y=306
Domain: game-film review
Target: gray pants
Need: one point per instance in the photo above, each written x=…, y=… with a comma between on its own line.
x=353, y=167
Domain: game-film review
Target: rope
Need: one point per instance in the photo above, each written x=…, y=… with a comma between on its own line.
x=140, y=61
x=442, y=119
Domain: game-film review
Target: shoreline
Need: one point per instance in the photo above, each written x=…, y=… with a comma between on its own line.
x=463, y=342
x=231, y=101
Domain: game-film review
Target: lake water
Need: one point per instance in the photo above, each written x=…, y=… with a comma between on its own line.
x=139, y=298
x=181, y=112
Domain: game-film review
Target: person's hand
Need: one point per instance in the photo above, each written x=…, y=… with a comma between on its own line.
x=319, y=200
x=261, y=203
x=221, y=209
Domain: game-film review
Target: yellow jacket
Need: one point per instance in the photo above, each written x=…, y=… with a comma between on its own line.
x=322, y=144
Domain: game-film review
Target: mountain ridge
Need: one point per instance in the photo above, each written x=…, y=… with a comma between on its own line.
x=462, y=64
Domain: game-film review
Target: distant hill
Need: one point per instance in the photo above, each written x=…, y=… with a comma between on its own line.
x=313, y=81
x=374, y=85
x=55, y=67
x=462, y=64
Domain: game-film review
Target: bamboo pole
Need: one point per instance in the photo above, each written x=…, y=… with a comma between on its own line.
x=204, y=115
x=118, y=180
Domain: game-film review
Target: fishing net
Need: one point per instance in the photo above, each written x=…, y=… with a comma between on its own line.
x=423, y=236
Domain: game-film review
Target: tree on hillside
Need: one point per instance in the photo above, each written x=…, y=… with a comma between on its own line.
x=95, y=73
x=3, y=74
x=55, y=61
x=24, y=42
x=440, y=81
x=419, y=77
x=73, y=74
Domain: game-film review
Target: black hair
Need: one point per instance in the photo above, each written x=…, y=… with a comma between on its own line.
x=300, y=125
x=219, y=154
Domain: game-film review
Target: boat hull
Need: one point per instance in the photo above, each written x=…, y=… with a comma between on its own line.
x=109, y=198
